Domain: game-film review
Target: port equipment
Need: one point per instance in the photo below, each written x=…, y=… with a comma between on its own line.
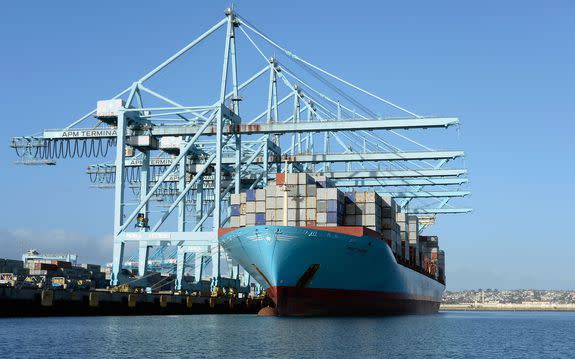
x=176, y=162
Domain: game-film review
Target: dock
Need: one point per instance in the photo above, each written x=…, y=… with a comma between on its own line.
x=33, y=302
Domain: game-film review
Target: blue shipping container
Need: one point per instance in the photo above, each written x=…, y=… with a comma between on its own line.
x=332, y=217
x=235, y=209
x=332, y=205
x=260, y=219
x=251, y=195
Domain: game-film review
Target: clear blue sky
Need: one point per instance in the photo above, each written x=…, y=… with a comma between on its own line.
x=505, y=68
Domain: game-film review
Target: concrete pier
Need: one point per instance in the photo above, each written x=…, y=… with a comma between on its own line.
x=27, y=302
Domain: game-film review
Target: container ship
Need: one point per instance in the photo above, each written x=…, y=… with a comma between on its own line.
x=320, y=251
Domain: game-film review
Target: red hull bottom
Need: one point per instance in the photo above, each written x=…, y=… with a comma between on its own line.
x=291, y=301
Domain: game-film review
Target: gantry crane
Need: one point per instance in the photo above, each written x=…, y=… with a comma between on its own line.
x=176, y=163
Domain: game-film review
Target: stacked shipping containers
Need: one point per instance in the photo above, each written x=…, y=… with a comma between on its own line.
x=266, y=206
x=330, y=207
x=429, y=253
x=401, y=219
x=390, y=230
x=313, y=201
x=413, y=237
x=48, y=268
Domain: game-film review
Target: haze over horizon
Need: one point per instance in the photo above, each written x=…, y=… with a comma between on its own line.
x=505, y=69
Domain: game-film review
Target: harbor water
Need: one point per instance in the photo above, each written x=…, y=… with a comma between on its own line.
x=444, y=335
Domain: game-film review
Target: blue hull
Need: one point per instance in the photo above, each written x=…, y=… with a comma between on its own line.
x=309, y=271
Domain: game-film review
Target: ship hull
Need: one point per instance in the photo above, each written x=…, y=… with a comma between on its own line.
x=312, y=271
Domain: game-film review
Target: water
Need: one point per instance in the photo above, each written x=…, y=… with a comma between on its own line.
x=445, y=335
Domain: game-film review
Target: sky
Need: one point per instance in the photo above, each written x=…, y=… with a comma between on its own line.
x=504, y=68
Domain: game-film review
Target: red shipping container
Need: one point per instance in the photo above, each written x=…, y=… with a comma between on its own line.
x=64, y=264
x=45, y=266
x=280, y=179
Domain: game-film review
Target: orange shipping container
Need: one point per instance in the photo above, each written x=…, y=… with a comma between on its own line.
x=280, y=179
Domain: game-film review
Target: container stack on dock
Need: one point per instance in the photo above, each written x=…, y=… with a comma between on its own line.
x=41, y=273
x=13, y=266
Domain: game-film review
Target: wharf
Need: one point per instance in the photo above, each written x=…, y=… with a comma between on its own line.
x=32, y=302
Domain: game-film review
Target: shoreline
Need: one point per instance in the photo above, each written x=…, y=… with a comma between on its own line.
x=508, y=307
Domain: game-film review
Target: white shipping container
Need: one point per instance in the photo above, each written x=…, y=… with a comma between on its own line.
x=293, y=202
x=292, y=214
x=321, y=218
x=235, y=221
x=319, y=178
x=243, y=220
x=250, y=207
x=370, y=208
x=260, y=206
x=400, y=217
x=235, y=198
x=279, y=214
x=250, y=219
x=270, y=202
x=243, y=197
x=321, y=193
x=310, y=214
x=271, y=190
x=291, y=190
x=311, y=190
x=260, y=194
x=369, y=220
x=331, y=193
x=388, y=201
x=369, y=196
x=310, y=202
x=270, y=215
x=291, y=178
x=279, y=202
x=359, y=197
